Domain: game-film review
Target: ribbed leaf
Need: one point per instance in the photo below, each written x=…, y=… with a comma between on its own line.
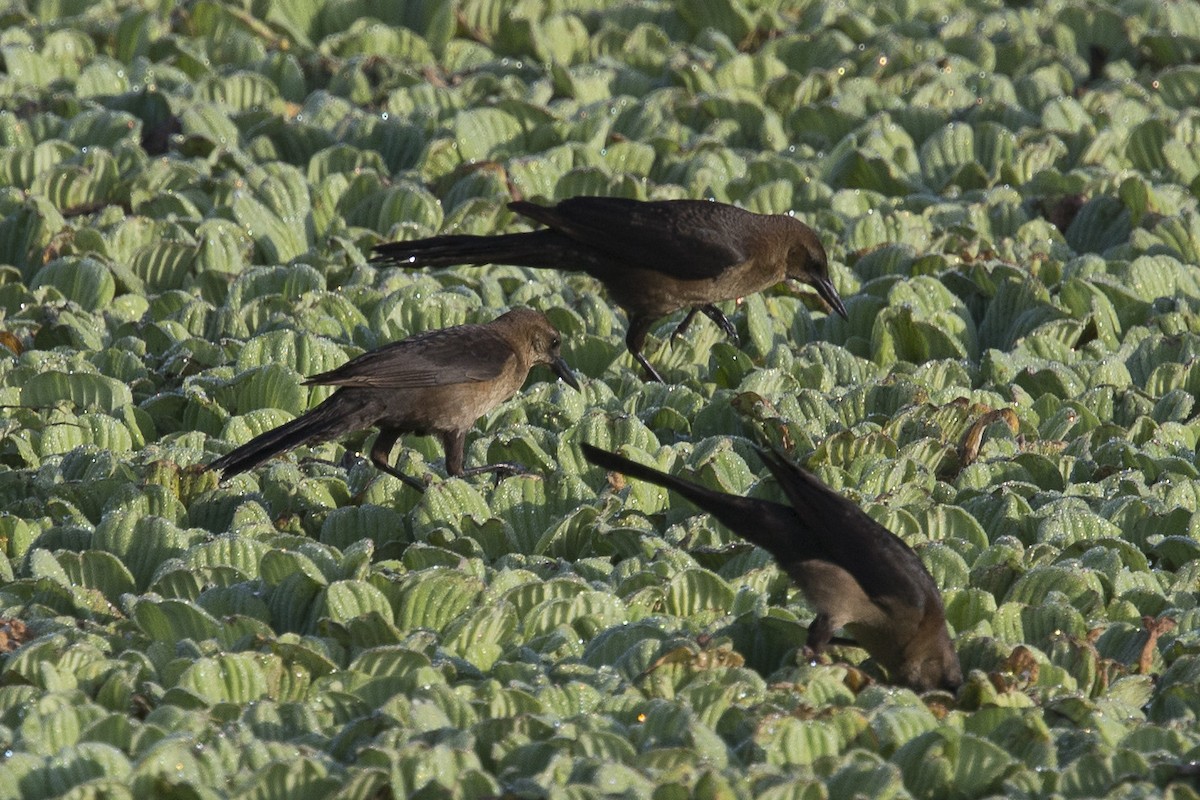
x=433, y=598
x=345, y=600
x=84, y=281
x=80, y=390
x=233, y=678
x=483, y=635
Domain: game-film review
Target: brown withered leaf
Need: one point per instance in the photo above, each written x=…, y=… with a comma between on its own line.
x=617, y=481
x=13, y=634
x=1021, y=665
x=719, y=657
x=855, y=679
x=1155, y=628
x=973, y=440
x=10, y=340
x=940, y=704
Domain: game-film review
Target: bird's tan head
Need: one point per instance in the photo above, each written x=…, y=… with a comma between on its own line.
x=930, y=661
x=534, y=336
x=808, y=263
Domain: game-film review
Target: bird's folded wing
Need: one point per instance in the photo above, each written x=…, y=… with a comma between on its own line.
x=437, y=358
x=685, y=239
x=883, y=565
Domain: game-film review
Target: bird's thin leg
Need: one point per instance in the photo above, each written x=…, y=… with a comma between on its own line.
x=651, y=372
x=635, y=337
x=503, y=468
x=682, y=327
x=454, y=442
x=820, y=631
x=714, y=313
x=379, y=457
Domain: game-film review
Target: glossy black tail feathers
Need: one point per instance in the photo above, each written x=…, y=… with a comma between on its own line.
x=777, y=522
x=532, y=249
x=336, y=416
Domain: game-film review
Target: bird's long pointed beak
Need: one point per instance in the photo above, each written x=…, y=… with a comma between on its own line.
x=563, y=371
x=824, y=287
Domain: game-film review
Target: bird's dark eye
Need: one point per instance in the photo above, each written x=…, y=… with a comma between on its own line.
x=555, y=342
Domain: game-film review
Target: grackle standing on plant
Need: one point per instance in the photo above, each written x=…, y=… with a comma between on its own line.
x=438, y=382
x=653, y=257
x=856, y=573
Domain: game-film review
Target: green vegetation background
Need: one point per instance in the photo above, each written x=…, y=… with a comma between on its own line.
x=187, y=194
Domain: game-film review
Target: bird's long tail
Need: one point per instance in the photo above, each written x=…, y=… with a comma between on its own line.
x=760, y=522
x=532, y=249
x=336, y=416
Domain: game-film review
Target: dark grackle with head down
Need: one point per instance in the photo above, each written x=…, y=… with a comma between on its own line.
x=856, y=573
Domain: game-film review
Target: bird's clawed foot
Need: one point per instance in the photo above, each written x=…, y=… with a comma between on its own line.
x=809, y=655
x=416, y=483
x=820, y=631
x=682, y=327
x=713, y=313
x=502, y=470
x=651, y=372
x=346, y=462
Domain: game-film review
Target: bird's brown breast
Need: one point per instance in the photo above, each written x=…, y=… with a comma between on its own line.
x=449, y=407
x=658, y=294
